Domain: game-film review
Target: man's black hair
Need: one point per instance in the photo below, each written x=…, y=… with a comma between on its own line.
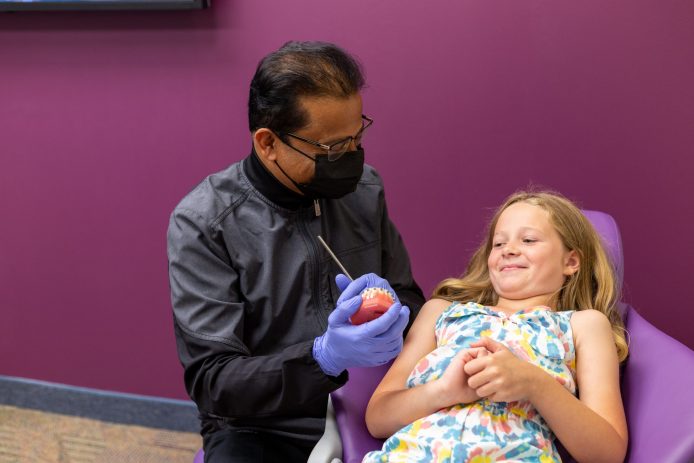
x=299, y=69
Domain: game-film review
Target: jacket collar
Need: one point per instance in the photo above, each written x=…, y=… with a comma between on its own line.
x=266, y=183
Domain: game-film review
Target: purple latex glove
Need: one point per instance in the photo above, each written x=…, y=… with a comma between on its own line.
x=344, y=345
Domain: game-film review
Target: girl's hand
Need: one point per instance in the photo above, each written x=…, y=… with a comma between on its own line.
x=501, y=376
x=454, y=381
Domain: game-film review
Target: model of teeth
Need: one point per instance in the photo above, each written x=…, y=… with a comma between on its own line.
x=374, y=303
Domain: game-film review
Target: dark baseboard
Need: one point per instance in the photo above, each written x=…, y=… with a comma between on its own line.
x=114, y=407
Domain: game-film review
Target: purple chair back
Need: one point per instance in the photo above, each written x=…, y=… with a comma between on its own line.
x=657, y=382
x=606, y=226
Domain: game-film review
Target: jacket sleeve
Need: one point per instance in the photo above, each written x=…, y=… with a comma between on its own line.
x=397, y=269
x=221, y=374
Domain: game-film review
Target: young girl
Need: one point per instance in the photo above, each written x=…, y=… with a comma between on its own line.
x=524, y=346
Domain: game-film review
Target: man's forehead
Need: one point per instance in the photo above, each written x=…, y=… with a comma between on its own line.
x=331, y=116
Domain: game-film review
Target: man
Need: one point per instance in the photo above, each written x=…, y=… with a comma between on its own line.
x=262, y=330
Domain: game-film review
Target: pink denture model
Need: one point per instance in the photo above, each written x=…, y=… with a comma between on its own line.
x=375, y=302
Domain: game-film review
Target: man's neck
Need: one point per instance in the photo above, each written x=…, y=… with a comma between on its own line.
x=265, y=180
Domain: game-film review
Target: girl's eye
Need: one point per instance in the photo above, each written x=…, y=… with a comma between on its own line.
x=529, y=240
x=497, y=245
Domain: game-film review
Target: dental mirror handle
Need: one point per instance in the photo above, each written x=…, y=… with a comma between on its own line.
x=332, y=254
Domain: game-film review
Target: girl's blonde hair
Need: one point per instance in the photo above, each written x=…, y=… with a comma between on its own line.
x=593, y=286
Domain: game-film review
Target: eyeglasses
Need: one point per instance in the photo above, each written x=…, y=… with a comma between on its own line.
x=334, y=151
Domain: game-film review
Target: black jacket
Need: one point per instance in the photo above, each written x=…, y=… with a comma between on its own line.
x=252, y=288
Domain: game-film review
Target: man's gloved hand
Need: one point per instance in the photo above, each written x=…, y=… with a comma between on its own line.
x=344, y=345
x=370, y=280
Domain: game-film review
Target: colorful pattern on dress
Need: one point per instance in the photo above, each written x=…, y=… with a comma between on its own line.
x=485, y=431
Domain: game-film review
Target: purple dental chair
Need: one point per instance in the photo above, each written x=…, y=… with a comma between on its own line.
x=657, y=386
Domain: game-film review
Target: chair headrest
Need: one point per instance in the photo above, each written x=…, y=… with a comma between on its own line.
x=608, y=230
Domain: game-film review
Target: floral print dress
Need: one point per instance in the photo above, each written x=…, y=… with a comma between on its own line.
x=486, y=431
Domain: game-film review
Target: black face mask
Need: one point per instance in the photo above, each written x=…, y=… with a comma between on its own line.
x=333, y=179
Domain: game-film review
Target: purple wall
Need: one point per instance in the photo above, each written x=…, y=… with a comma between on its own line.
x=107, y=120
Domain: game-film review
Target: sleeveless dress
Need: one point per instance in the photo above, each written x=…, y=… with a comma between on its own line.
x=486, y=431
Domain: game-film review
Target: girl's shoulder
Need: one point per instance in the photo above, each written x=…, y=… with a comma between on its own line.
x=431, y=310
x=590, y=323
x=435, y=307
x=589, y=318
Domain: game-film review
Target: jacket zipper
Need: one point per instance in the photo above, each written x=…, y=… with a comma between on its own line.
x=315, y=258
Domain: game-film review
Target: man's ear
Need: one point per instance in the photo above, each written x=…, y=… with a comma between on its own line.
x=265, y=143
x=572, y=263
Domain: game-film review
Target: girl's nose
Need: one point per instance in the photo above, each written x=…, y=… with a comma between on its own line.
x=509, y=249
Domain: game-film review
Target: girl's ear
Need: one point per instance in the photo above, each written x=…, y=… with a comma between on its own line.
x=265, y=144
x=572, y=263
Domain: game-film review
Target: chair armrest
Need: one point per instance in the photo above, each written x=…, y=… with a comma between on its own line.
x=657, y=387
x=350, y=406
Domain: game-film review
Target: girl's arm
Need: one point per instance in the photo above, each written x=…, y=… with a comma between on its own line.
x=393, y=405
x=592, y=429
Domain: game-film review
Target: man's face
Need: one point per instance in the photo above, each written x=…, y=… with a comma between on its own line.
x=330, y=120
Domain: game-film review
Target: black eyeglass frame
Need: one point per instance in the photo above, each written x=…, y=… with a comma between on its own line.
x=332, y=155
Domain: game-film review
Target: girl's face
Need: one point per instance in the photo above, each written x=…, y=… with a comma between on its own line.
x=528, y=262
